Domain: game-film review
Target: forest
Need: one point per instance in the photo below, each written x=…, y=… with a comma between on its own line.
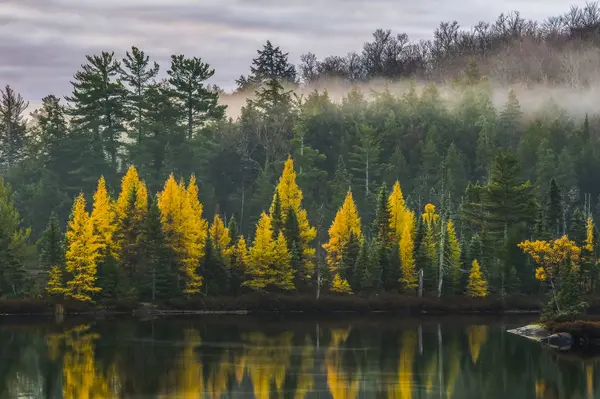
x=143, y=188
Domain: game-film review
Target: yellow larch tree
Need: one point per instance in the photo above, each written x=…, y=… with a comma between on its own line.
x=400, y=215
x=454, y=253
x=290, y=197
x=185, y=229
x=130, y=208
x=340, y=285
x=103, y=218
x=283, y=273
x=82, y=254
x=220, y=238
x=407, y=254
x=346, y=222
x=131, y=184
x=477, y=285
x=268, y=259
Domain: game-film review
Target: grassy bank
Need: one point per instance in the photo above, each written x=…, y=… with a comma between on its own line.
x=258, y=303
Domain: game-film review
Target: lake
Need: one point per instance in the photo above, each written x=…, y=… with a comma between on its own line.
x=285, y=356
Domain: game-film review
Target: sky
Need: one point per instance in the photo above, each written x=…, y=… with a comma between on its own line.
x=44, y=42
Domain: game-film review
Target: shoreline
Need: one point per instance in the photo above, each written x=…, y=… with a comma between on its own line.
x=256, y=304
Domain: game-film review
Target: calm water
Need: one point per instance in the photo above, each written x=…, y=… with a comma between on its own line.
x=287, y=357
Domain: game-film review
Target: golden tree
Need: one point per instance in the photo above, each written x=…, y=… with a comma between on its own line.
x=220, y=238
x=477, y=285
x=346, y=222
x=103, y=218
x=407, y=256
x=185, y=229
x=400, y=215
x=290, y=197
x=554, y=260
x=454, y=253
x=82, y=254
x=269, y=261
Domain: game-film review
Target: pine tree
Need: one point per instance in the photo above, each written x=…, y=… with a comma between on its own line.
x=13, y=140
x=199, y=104
x=215, y=272
x=477, y=286
x=98, y=108
x=348, y=263
x=82, y=254
x=137, y=72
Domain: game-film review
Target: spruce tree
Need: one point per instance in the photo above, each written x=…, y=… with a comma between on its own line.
x=233, y=230
x=52, y=252
x=158, y=274
x=271, y=63
x=276, y=217
x=553, y=211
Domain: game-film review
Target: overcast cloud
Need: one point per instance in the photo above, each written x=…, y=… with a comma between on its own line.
x=45, y=41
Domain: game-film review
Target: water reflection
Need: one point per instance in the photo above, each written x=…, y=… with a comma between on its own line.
x=223, y=357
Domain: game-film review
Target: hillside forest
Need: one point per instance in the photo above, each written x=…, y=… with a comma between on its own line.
x=138, y=187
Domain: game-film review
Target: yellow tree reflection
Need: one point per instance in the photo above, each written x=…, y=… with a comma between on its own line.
x=477, y=336
x=268, y=360
x=403, y=387
x=81, y=377
x=341, y=385
x=188, y=377
x=305, y=377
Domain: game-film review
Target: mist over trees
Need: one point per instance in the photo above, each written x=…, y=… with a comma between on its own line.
x=135, y=187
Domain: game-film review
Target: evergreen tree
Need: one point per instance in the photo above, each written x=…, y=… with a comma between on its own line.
x=276, y=216
x=553, y=210
x=138, y=74
x=52, y=252
x=199, y=104
x=271, y=63
x=232, y=226
x=13, y=245
x=97, y=106
x=384, y=237
x=157, y=277
x=13, y=140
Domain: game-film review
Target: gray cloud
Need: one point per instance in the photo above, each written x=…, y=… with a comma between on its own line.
x=45, y=41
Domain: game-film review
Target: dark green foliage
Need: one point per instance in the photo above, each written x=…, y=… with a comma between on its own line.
x=157, y=275
x=350, y=256
x=271, y=64
x=553, y=211
x=51, y=250
x=13, y=139
x=214, y=270
x=577, y=227
x=98, y=109
x=233, y=230
x=187, y=77
x=276, y=217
